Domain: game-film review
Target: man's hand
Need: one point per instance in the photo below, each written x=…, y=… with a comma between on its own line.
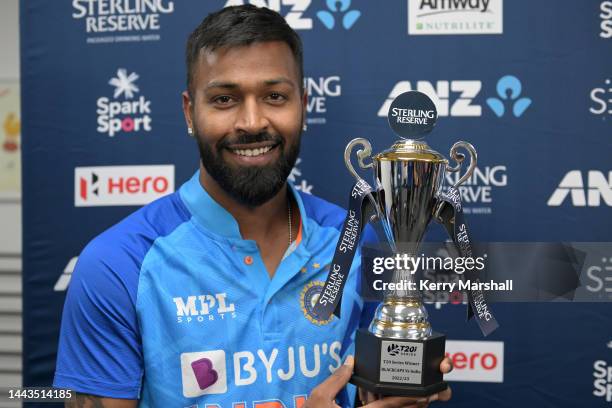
x=323, y=396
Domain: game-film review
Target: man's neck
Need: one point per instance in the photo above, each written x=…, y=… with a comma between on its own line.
x=254, y=222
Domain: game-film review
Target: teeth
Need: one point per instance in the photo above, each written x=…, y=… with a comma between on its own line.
x=252, y=152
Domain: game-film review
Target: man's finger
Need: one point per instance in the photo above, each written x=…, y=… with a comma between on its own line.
x=398, y=402
x=335, y=382
x=445, y=395
x=446, y=366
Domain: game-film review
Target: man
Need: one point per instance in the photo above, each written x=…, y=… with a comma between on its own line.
x=205, y=297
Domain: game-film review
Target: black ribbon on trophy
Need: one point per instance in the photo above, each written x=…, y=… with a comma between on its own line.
x=399, y=353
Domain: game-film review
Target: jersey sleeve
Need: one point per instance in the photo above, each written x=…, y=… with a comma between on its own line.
x=100, y=351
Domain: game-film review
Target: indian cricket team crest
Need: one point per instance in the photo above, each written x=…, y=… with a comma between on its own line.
x=308, y=299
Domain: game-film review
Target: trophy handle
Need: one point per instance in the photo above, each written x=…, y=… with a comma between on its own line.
x=459, y=157
x=362, y=154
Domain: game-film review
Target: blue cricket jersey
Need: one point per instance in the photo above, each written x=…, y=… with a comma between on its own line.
x=171, y=306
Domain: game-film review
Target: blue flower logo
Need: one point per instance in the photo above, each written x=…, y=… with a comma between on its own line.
x=509, y=88
x=341, y=8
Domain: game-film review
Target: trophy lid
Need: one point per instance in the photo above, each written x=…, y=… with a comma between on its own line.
x=408, y=150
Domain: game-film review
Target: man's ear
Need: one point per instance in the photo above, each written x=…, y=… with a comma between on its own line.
x=187, y=109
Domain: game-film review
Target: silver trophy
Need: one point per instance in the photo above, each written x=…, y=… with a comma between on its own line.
x=400, y=354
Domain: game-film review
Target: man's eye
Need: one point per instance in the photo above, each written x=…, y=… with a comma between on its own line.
x=222, y=100
x=276, y=97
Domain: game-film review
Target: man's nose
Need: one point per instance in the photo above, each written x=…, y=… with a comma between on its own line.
x=251, y=117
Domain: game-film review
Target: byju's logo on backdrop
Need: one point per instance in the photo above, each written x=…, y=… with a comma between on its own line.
x=478, y=361
x=509, y=90
x=606, y=19
x=335, y=14
x=602, y=100
x=457, y=97
x=121, y=185
x=427, y=17
x=127, y=21
x=477, y=191
x=122, y=114
x=319, y=90
x=580, y=194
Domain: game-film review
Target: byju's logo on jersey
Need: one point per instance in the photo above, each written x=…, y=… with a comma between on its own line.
x=127, y=21
x=581, y=195
x=122, y=114
x=204, y=308
x=121, y=185
x=335, y=14
x=457, y=98
x=427, y=17
x=203, y=373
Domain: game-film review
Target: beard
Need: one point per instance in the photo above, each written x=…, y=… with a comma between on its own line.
x=251, y=186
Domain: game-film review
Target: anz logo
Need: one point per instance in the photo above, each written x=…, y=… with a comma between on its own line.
x=337, y=13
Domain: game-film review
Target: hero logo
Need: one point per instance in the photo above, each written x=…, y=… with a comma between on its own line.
x=602, y=384
x=121, y=185
x=477, y=361
x=440, y=95
x=125, y=116
x=572, y=185
x=477, y=189
x=319, y=89
x=602, y=100
x=201, y=308
x=606, y=19
x=294, y=16
x=120, y=16
x=205, y=372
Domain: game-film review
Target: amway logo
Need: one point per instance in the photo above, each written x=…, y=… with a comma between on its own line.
x=125, y=116
x=478, y=361
x=572, y=184
x=427, y=17
x=121, y=185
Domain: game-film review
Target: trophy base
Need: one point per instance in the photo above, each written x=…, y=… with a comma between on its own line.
x=388, y=366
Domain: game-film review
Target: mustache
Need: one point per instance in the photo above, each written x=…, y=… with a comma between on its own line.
x=246, y=138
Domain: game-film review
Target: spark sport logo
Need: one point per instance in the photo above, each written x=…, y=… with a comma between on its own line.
x=126, y=115
x=205, y=372
x=428, y=17
x=121, y=16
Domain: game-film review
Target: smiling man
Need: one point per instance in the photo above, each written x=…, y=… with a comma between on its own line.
x=205, y=297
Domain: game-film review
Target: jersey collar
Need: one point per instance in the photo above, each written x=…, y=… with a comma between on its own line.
x=216, y=219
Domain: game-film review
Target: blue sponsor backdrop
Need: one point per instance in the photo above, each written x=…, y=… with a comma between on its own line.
x=534, y=99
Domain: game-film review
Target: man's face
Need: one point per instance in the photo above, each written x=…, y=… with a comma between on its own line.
x=247, y=113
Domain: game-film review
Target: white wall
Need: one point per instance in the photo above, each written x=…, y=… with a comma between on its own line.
x=10, y=226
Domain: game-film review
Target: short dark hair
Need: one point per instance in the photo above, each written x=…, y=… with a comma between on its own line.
x=239, y=26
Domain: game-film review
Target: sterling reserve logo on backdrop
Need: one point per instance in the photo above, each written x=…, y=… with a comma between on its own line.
x=118, y=21
x=300, y=15
x=123, y=113
x=427, y=17
x=121, y=185
x=320, y=89
x=456, y=98
x=573, y=190
x=477, y=191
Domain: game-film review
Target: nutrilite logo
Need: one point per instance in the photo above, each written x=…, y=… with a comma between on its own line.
x=581, y=194
x=124, y=113
x=427, y=17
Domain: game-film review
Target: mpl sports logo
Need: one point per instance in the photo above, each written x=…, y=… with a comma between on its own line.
x=478, y=190
x=126, y=20
x=126, y=115
x=477, y=361
x=205, y=372
x=593, y=193
x=319, y=90
x=428, y=17
x=121, y=185
x=456, y=98
x=204, y=308
x=335, y=14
